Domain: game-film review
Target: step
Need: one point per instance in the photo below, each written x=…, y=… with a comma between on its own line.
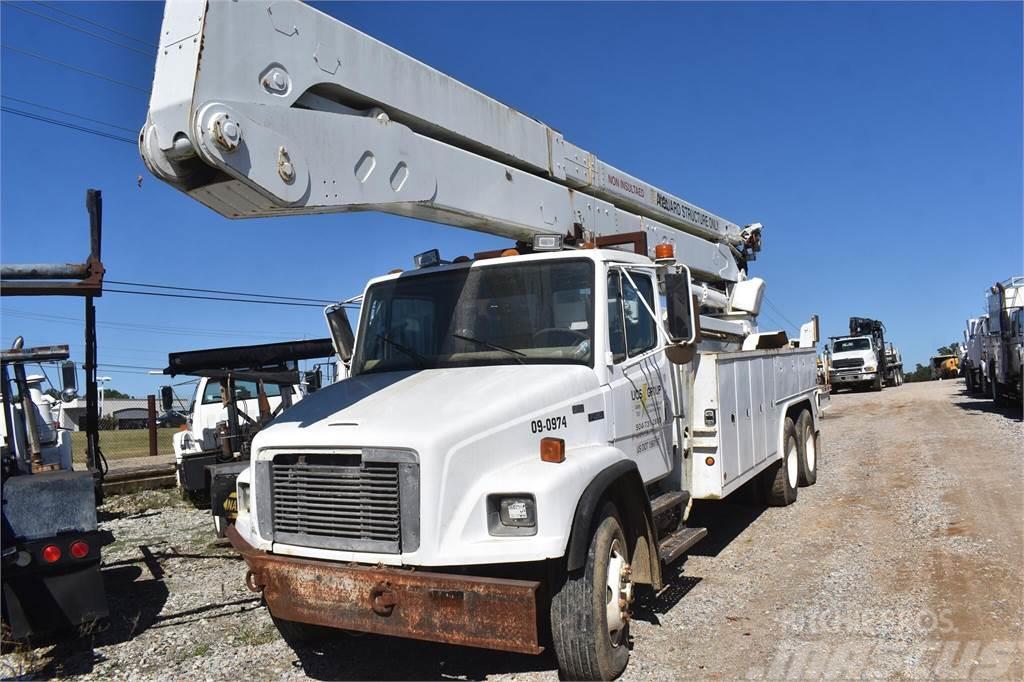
x=664, y=502
x=673, y=546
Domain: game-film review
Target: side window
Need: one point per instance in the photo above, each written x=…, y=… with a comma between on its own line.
x=641, y=333
x=616, y=330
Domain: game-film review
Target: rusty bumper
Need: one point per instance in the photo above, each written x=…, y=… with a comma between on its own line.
x=440, y=607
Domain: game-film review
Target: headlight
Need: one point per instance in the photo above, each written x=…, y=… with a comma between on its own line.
x=243, y=498
x=869, y=368
x=511, y=514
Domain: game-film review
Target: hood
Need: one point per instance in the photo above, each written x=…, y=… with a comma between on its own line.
x=423, y=410
x=868, y=356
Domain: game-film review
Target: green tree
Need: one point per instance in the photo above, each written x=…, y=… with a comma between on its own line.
x=920, y=373
x=114, y=393
x=948, y=350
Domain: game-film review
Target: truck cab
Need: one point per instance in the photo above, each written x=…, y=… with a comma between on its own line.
x=855, y=363
x=198, y=445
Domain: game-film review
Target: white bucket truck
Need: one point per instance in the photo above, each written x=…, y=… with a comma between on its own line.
x=523, y=432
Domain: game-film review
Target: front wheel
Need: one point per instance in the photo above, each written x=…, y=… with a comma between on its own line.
x=590, y=610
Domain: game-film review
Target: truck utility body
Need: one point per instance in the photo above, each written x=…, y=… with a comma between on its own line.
x=522, y=433
x=1003, y=353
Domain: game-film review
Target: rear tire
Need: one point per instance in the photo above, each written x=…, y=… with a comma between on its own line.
x=589, y=627
x=807, y=440
x=781, y=479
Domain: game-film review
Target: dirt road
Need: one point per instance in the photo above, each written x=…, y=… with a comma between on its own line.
x=905, y=560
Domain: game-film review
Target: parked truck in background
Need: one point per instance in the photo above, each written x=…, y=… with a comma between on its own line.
x=522, y=433
x=239, y=391
x=972, y=365
x=1004, y=344
x=50, y=543
x=863, y=359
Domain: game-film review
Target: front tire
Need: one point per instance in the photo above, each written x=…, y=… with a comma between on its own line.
x=782, y=478
x=590, y=610
x=807, y=440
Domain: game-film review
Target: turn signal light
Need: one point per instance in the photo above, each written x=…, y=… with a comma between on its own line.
x=79, y=549
x=552, y=450
x=710, y=461
x=51, y=554
x=510, y=252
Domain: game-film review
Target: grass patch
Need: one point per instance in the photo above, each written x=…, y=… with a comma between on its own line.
x=198, y=651
x=255, y=635
x=125, y=444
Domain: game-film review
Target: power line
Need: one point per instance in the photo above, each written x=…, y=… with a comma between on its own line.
x=219, y=291
x=149, y=328
x=68, y=113
x=65, y=124
x=786, y=319
x=80, y=29
x=73, y=68
x=147, y=43
x=209, y=298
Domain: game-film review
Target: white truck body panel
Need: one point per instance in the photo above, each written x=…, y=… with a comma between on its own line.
x=749, y=393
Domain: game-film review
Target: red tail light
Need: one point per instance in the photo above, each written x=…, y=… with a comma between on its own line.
x=79, y=549
x=51, y=554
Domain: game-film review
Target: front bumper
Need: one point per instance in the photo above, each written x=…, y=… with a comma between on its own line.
x=441, y=607
x=853, y=377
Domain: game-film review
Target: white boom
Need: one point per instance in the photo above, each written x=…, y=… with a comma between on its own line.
x=265, y=109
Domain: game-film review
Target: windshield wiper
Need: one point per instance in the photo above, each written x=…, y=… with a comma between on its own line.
x=492, y=346
x=420, y=360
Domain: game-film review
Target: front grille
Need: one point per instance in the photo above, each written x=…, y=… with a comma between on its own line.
x=844, y=363
x=336, y=502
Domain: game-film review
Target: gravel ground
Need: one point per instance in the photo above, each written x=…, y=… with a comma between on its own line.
x=905, y=560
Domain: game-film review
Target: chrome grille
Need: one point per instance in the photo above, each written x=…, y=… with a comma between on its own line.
x=336, y=502
x=844, y=363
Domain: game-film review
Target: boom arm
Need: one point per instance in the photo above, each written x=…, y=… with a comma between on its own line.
x=275, y=108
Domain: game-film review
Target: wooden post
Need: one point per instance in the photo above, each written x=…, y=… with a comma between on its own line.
x=151, y=422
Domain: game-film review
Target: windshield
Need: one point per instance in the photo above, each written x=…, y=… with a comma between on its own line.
x=843, y=345
x=520, y=313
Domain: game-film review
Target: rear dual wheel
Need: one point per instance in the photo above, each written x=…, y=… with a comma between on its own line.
x=808, y=441
x=781, y=480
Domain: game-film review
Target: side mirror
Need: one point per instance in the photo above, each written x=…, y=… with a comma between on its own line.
x=167, y=398
x=341, y=332
x=682, y=317
x=314, y=380
x=68, y=379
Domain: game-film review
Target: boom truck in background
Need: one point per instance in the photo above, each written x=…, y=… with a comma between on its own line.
x=1003, y=352
x=50, y=556
x=522, y=434
x=239, y=391
x=972, y=363
x=863, y=358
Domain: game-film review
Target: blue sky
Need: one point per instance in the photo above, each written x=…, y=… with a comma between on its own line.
x=880, y=145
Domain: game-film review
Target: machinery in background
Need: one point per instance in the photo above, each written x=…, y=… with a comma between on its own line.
x=50, y=539
x=863, y=359
x=945, y=366
x=1003, y=352
x=240, y=390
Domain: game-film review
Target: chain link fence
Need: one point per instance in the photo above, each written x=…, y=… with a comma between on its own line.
x=124, y=431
